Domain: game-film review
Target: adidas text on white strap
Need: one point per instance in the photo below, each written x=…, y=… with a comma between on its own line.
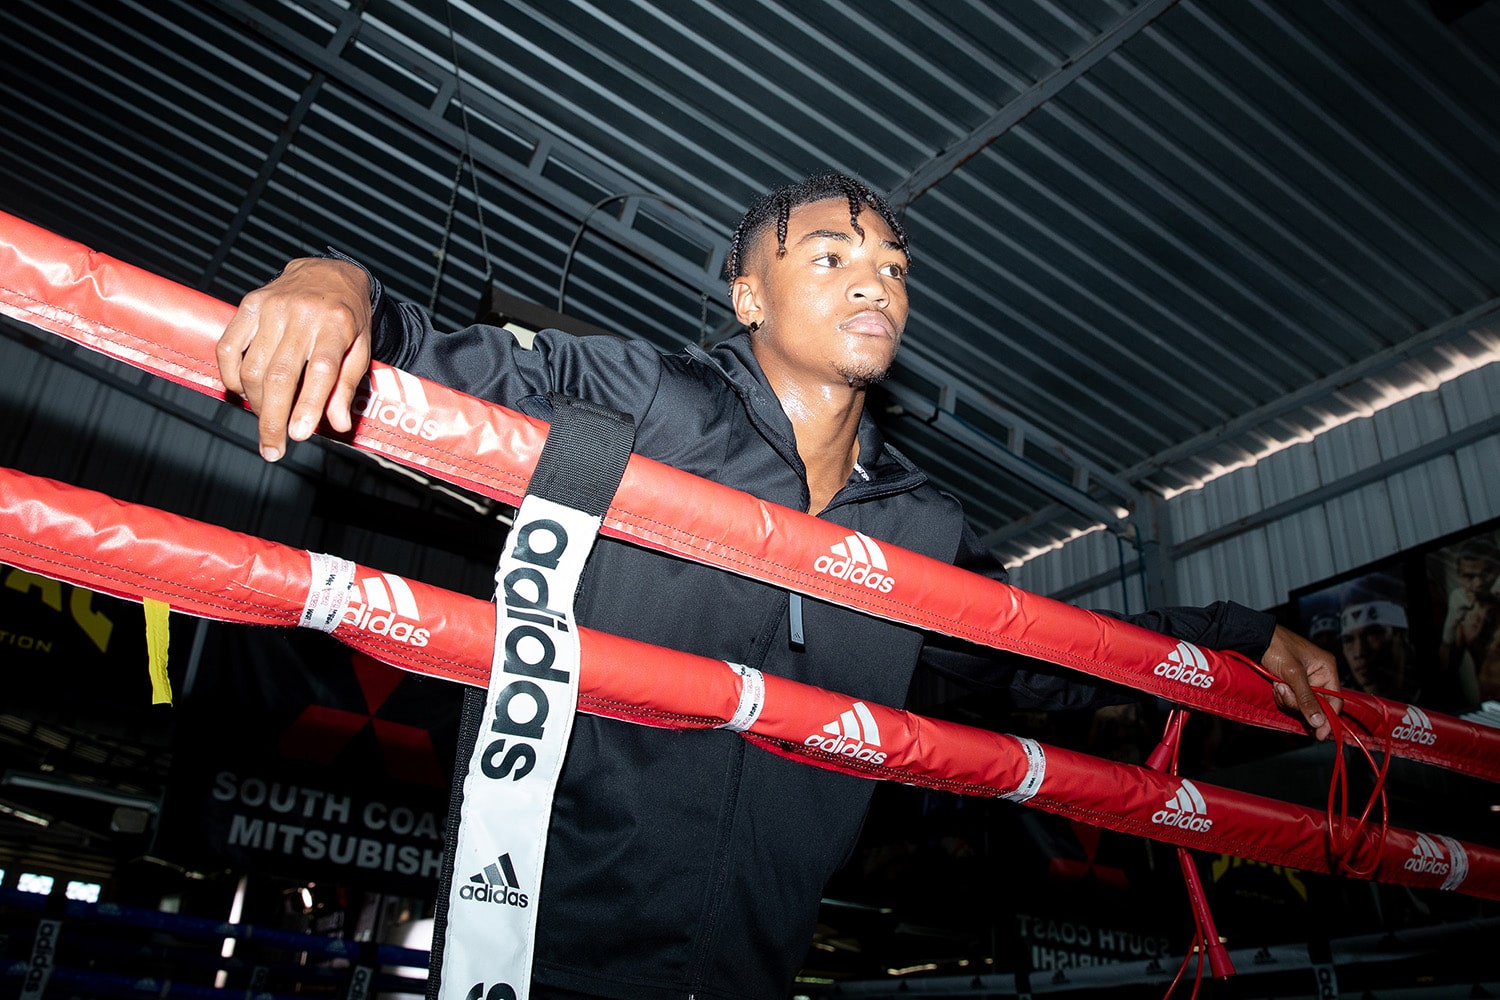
x=514, y=769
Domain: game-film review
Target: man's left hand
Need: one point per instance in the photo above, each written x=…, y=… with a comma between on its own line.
x=1301, y=665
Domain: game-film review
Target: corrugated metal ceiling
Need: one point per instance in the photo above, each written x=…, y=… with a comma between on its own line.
x=1153, y=240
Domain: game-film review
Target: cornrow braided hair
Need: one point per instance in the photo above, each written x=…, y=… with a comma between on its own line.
x=776, y=207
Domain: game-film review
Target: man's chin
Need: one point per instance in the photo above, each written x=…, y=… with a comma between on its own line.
x=863, y=372
x=863, y=378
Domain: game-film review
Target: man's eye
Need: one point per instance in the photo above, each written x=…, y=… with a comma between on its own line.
x=829, y=259
x=894, y=271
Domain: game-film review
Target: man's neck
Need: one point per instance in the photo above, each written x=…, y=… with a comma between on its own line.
x=825, y=423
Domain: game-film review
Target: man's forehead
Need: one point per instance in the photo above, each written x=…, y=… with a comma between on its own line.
x=830, y=217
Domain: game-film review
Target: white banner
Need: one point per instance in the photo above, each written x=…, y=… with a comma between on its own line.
x=533, y=693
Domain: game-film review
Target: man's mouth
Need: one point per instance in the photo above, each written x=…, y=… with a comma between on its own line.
x=870, y=322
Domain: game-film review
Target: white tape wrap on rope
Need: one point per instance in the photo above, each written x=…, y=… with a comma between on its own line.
x=1036, y=771
x=1458, y=864
x=512, y=776
x=752, y=698
x=328, y=594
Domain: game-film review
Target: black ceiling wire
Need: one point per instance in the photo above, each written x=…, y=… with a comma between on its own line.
x=583, y=225
x=442, y=252
x=465, y=156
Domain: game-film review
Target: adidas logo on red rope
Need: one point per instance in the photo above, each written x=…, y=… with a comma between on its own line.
x=1440, y=856
x=853, y=734
x=1187, y=665
x=1428, y=857
x=384, y=605
x=394, y=398
x=1185, y=810
x=858, y=559
x=1415, y=727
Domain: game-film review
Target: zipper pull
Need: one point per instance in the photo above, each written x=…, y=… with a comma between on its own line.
x=794, y=621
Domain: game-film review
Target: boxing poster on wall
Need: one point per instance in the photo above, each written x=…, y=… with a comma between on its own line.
x=1421, y=627
x=1463, y=584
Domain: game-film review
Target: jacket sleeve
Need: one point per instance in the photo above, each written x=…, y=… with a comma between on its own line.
x=488, y=362
x=1037, y=685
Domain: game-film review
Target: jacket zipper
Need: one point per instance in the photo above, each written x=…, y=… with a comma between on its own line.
x=471, y=720
x=703, y=952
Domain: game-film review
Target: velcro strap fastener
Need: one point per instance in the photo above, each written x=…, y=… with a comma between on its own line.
x=328, y=592
x=584, y=458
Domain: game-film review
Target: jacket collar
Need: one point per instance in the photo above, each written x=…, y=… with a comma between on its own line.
x=733, y=359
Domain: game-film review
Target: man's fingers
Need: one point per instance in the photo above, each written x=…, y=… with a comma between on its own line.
x=273, y=377
x=338, y=357
x=1299, y=697
x=320, y=382
x=1306, y=702
x=356, y=363
x=231, y=347
x=297, y=348
x=1300, y=666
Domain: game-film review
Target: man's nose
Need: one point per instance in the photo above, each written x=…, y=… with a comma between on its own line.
x=868, y=284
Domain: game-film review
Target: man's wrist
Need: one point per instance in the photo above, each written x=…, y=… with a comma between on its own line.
x=1252, y=630
x=376, y=291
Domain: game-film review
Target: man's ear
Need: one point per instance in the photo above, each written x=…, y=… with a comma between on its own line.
x=744, y=295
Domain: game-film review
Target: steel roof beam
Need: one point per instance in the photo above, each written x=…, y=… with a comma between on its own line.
x=1451, y=329
x=347, y=29
x=1021, y=432
x=920, y=180
x=1013, y=462
x=268, y=169
x=328, y=60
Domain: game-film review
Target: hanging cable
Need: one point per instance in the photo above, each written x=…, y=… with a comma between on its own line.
x=583, y=225
x=442, y=252
x=1345, y=838
x=465, y=156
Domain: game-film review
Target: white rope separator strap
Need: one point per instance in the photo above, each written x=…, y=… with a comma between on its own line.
x=328, y=594
x=517, y=760
x=752, y=698
x=1036, y=771
x=43, y=950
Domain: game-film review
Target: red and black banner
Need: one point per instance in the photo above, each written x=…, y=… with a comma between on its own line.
x=299, y=758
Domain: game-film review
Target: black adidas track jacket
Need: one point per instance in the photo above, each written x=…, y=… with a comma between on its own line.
x=690, y=864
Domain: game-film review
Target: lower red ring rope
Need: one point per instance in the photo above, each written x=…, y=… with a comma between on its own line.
x=135, y=552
